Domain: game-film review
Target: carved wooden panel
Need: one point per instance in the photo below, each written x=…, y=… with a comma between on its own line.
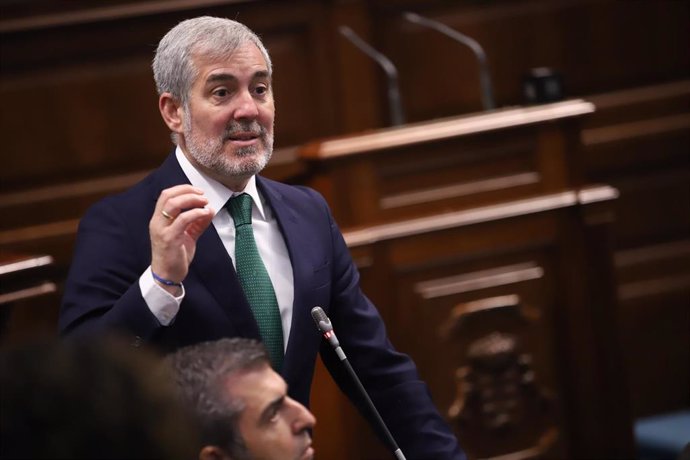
x=480, y=324
x=447, y=284
x=498, y=396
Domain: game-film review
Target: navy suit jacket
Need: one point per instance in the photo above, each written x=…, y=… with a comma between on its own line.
x=113, y=249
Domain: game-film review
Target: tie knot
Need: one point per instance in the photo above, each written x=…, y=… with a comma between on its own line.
x=240, y=208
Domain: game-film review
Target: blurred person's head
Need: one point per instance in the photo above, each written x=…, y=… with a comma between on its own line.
x=104, y=399
x=241, y=404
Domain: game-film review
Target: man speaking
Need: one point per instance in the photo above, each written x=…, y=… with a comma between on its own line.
x=205, y=248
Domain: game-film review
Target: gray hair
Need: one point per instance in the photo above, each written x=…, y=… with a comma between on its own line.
x=201, y=373
x=215, y=38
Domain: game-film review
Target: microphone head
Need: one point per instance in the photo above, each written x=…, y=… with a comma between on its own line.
x=321, y=320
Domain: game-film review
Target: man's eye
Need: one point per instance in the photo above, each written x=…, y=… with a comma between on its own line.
x=261, y=90
x=273, y=416
x=221, y=92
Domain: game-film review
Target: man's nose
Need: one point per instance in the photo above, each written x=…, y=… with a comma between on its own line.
x=246, y=107
x=303, y=418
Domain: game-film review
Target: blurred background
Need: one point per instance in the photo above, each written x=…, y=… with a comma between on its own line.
x=532, y=257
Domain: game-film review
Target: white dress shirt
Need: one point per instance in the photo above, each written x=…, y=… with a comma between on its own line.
x=269, y=241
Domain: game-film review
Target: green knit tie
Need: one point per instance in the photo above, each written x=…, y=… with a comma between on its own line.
x=255, y=280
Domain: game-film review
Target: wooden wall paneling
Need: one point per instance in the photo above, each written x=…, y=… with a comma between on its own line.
x=641, y=130
x=355, y=184
x=28, y=298
x=29, y=319
x=654, y=292
x=593, y=359
x=299, y=37
x=359, y=102
x=85, y=90
x=615, y=108
x=638, y=141
x=653, y=208
x=115, y=69
x=57, y=129
x=439, y=77
x=597, y=45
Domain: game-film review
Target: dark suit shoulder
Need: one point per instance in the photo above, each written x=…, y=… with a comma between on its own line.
x=296, y=195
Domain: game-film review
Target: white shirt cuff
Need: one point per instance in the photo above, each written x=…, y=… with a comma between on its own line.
x=162, y=304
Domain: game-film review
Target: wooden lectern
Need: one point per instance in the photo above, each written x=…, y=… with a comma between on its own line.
x=490, y=261
x=455, y=163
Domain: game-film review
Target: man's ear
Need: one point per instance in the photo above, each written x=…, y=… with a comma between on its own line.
x=213, y=453
x=171, y=111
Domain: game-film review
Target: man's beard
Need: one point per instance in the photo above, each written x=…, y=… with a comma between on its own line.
x=244, y=162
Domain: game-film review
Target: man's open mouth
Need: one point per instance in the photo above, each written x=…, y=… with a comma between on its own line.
x=243, y=136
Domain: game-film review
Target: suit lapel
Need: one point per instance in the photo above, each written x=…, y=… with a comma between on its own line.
x=302, y=328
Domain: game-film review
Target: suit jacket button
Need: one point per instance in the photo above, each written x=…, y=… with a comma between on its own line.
x=137, y=341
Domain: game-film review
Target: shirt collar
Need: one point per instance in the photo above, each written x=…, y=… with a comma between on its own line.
x=217, y=193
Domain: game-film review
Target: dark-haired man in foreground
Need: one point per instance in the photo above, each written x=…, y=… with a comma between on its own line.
x=240, y=403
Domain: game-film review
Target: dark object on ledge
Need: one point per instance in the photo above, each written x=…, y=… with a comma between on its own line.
x=542, y=85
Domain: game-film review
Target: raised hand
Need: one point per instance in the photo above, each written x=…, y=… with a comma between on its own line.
x=180, y=217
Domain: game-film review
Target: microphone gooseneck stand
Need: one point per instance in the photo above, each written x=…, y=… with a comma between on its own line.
x=394, y=100
x=484, y=77
x=326, y=328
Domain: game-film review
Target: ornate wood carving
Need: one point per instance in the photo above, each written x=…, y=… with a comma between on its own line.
x=499, y=400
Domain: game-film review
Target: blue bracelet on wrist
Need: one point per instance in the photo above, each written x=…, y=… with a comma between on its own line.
x=164, y=281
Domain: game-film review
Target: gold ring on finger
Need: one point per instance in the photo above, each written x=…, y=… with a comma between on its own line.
x=166, y=215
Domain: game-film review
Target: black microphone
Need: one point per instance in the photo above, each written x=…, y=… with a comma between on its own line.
x=324, y=325
x=394, y=101
x=484, y=78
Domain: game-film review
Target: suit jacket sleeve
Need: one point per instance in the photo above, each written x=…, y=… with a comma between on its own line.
x=102, y=291
x=390, y=377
